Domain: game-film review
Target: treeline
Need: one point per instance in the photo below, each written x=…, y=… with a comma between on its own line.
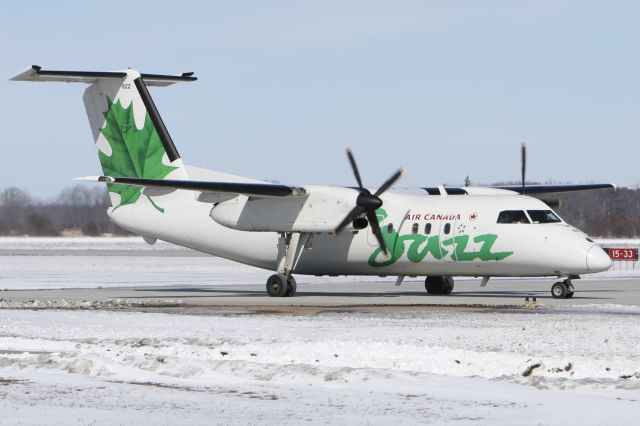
x=80, y=210
x=603, y=213
x=77, y=210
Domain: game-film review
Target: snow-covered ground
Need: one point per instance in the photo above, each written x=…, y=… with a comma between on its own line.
x=98, y=367
x=83, y=243
x=618, y=242
x=570, y=365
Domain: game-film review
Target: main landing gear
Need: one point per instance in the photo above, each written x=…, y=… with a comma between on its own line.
x=290, y=247
x=279, y=285
x=563, y=289
x=439, y=284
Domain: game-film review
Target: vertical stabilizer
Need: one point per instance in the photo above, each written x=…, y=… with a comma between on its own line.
x=128, y=131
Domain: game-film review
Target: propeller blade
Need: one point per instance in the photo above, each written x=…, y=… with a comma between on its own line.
x=375, y=228
x=389, y=182
x=523, y=163
x=357, y=211
x=354, y=167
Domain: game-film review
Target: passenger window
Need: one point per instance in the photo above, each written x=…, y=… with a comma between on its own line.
x=512, y=216
x=390, y=228
x=427, y=228
x=543, y=216
x=447, y=228
x=414, y=228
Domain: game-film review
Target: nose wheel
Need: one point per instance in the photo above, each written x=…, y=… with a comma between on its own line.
x=562, y=290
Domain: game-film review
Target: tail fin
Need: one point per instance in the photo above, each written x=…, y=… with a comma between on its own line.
x=129, y=133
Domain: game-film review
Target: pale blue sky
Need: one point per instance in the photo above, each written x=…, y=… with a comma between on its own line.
x=441, y=88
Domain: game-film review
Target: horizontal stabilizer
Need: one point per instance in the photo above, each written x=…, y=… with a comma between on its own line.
x=544, y=189
x=36, y=73
x=251, y=189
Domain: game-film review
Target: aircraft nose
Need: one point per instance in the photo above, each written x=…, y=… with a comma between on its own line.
x=598, y=260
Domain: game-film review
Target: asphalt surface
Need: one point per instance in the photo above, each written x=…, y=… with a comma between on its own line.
x=362, y=296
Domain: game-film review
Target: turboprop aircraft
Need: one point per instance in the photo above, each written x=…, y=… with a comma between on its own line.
x=435, y=232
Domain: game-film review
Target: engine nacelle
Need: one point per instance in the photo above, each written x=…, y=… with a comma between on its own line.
x=321, y=210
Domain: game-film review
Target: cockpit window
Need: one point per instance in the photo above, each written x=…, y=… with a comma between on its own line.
x=543, y=216
x=513, y=216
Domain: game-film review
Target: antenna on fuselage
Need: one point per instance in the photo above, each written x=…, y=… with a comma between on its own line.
x=523, y=162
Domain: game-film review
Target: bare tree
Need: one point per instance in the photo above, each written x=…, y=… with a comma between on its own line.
x=14, y=203
x=14, y=197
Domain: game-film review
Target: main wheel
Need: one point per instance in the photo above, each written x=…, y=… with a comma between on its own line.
x=433, y=285
x=438, y=285
x=277, y=285
x=448, y=288
x=292, y=287
x=559, y=290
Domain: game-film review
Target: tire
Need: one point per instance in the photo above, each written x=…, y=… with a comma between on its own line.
x=569, y=294
x=559, y=290
x=292, y=287
x=432, y=285
x=448, y=285
x=277, y=286
x=436, y=285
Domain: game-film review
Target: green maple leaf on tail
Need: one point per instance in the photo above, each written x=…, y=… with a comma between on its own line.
x=135, y=152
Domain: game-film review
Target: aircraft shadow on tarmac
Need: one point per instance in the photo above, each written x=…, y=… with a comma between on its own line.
x=235, y=292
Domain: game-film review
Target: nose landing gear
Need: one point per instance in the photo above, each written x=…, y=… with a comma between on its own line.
x=562, y=290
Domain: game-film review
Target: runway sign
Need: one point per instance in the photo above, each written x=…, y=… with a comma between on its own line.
x=630, y=254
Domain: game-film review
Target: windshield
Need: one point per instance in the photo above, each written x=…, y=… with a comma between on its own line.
x=543, y=216
x=513, y=216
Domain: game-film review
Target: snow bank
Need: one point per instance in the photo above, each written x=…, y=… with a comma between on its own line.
x=82, y=243
x=434, y=367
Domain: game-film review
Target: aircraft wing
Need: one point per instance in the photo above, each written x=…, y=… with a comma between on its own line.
x=544, y=189
x=259, y=190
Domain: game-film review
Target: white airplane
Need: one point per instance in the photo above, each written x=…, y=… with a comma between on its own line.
x=435, y=232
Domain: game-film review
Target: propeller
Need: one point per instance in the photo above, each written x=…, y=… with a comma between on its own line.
x=367, y=203
x=523, y=162
x=551, y=202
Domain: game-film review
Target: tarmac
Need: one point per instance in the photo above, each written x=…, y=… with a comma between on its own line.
x=343, y=297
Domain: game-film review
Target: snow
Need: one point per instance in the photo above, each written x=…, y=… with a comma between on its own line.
x=618, y=242
x=416, y=367
x=85, y=262
x=99, y=362
x=83, y=243
x=64, y=271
